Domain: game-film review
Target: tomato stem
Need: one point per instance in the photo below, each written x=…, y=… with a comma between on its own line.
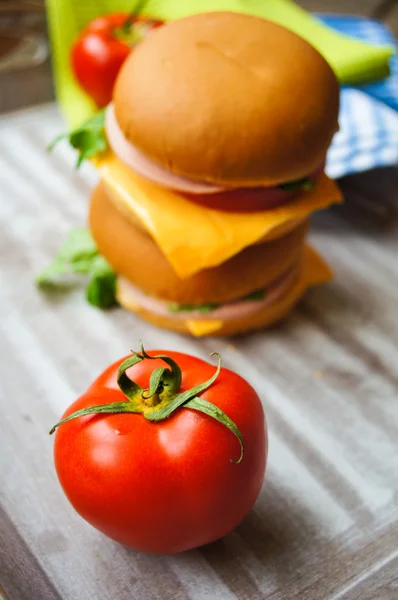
x=135, y=12
x=162, y=398
x=126, y=31
x=152, y=400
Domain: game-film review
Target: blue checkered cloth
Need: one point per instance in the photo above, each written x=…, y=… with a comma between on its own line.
x=368, y=136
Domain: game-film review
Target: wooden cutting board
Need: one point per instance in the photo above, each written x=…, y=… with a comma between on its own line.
x=325, y=525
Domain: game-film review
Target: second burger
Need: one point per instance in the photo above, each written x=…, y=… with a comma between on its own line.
x=218, y=134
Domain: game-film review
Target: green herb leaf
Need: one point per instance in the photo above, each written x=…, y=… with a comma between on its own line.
x=89, y=138
x=74, y=256
x=300, y=184
x=101, y=290
x=79, y=255
x=257, y=296
x=202, y=308
x=206, y=308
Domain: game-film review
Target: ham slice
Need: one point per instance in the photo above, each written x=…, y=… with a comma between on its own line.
x=142, y=165
x=267, y=197
x=230, y=310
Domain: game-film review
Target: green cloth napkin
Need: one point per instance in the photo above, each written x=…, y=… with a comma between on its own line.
x=354, y=62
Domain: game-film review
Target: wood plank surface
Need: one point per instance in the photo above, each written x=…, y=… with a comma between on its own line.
x=325, y=524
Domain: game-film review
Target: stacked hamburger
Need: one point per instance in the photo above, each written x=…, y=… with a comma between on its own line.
x=217, y=133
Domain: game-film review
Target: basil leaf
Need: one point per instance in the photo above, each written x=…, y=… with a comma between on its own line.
x=74, y=256
x=101, y=291
x=300, y=184
x=202, y=308
x=89, y=138
x=206, y=308
x=79, y=255
x=258, y=295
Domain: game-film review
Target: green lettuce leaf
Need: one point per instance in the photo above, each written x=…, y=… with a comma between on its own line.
x=101, y=290
x=89, y=138
x=202, y=308
x=256, y=296
x=205, y=308
x=300, y=184
x=79, y=255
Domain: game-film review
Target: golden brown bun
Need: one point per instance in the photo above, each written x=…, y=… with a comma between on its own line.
x=314, y=271
x=134, y=254
x=229, y=99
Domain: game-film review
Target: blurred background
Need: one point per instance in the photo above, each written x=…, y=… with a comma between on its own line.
x=25, y=72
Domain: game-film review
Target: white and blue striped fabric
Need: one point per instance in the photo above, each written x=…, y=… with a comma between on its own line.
x=368, y=136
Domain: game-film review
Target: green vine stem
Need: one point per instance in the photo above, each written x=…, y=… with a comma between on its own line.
x=162, y=398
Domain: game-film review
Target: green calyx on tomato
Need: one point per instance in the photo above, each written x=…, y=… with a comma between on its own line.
x=163, y=396
x=130, y=18
x=89, y=138
x=135, y=28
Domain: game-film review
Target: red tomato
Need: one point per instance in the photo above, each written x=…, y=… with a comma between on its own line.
x=101, y=49
x=244, y=199
x=257, y=198
x=165, y=486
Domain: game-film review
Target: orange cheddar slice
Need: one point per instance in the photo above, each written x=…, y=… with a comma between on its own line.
x=202, y=327
x=315, y=271
x=194, y=237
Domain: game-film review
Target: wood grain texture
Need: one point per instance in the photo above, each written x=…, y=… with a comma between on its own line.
x=325, y=525
x=20, y=573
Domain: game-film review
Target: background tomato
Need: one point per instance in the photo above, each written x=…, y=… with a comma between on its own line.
x=167, y=486
x=101, y=49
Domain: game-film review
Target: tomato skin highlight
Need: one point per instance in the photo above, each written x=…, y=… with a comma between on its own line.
x=97, y=54
x=168, y=486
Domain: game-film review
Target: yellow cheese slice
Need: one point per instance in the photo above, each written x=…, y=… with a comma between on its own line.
x=315, y=269
x=314, y=272
x=193, y=237
x=199, y=327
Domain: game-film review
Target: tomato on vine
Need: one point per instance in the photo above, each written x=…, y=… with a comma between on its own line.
x=101, y=49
